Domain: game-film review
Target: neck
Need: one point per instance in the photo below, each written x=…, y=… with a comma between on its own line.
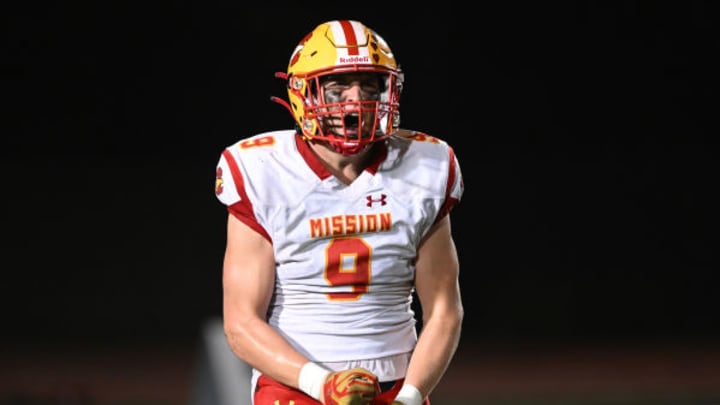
x=345, y=167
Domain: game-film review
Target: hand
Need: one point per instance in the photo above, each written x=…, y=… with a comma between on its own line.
x=356, y=386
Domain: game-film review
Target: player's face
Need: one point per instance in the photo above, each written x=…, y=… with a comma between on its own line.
x=351, y=100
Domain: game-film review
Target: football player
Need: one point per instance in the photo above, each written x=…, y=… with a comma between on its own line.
x=332, y=227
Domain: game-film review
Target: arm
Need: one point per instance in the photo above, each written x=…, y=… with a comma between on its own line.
x=437, y=287
x=248, y=282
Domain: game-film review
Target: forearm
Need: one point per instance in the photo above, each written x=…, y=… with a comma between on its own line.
x=435, y=349
x=262, y=347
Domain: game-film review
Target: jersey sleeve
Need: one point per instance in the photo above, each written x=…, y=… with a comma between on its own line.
x=455, y=185
x=230, y=191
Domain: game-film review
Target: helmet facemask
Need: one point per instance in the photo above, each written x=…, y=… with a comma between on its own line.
x=349, y=110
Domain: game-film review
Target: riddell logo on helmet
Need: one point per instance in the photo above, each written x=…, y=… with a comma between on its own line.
x=354, y=59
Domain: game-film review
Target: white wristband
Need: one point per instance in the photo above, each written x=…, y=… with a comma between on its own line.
x=312, y=378
x=409, y=395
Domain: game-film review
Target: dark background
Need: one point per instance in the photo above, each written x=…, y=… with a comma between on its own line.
x=585, y=130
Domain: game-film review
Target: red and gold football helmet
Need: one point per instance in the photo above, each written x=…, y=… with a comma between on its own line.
x=332, y=50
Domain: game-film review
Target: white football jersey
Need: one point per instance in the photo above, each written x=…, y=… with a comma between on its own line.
x=344, y=254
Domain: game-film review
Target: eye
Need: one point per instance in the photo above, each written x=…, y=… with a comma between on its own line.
x=335, y=87
x=370, y=87
x=367, y=82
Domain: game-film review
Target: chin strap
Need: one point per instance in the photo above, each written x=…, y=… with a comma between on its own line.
x=282, y=102
x=347, y=151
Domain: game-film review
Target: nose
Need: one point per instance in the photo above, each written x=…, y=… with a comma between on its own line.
x=353, y=92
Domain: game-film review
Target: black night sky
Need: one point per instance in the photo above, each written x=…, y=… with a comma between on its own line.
x=585, y=130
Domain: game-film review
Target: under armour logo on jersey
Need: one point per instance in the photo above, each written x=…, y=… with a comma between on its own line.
x=371, y=200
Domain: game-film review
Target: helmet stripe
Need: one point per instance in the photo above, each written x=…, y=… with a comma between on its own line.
x=346, y=35
x=350, y=37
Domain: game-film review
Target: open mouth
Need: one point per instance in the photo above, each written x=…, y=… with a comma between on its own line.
x=351, y=121
x=351, y=125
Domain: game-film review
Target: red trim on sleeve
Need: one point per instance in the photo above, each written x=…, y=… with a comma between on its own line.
x=450, y=202
x=243, y=209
